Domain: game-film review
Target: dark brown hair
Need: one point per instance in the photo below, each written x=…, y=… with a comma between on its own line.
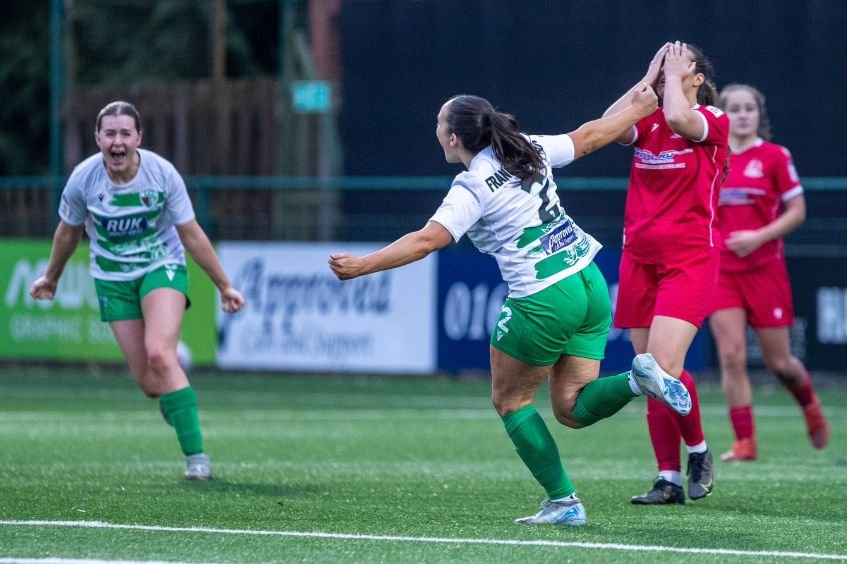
x=707, y=93
x=477, y=124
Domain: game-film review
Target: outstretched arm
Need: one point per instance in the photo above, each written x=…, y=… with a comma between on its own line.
x=408, y=248
x=598, y=133
x=200, y=248
x=65, y=240
x=651, y=79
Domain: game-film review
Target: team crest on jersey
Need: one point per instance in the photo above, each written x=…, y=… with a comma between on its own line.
x=100, y=196
x=149, y=198
x=754, y=169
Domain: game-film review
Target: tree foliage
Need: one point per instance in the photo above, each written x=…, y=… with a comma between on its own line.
x=116, y=41
x=24, y=87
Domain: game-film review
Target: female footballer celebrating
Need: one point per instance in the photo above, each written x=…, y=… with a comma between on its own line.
x=556, y=317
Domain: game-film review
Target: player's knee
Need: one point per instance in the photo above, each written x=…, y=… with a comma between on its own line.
x=733, y=358
x=149, y=388
x=158, y=359
x=500, y=404
x=787, y=369
x=564, y=415
x=507, y=403
x=778, y=364
x=568, y=420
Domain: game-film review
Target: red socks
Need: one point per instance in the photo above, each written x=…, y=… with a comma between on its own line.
x=741, y=419
x=668, y=427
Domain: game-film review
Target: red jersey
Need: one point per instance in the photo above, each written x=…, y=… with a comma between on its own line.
x=671, y=203
x=760, y=179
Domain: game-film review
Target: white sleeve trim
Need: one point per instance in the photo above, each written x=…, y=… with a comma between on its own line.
x=634, y=136
x=559, y=150
x=705, y=127
x=793, y=193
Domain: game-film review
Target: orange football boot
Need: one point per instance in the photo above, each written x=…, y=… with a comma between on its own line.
x=744, y=450
x=816, y=424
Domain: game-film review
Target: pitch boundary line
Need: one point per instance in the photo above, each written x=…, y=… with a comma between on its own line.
x=440, y=540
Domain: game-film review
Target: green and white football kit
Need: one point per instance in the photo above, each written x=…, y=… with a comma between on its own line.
x=537, y=246
x=135, y=249
x=131, y=228
x=558, y=302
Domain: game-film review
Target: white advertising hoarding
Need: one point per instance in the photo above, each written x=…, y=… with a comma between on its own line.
x=299, y=316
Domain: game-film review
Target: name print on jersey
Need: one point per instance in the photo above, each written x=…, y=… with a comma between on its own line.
x=498, y=179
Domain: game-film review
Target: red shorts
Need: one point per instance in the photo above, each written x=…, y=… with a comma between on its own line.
x=683, y=290
x=764, y=294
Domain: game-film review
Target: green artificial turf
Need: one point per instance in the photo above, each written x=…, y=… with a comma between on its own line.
x=378, y=469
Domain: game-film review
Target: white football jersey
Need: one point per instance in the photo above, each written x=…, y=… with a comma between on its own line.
x=522, y=225
x=131, y=226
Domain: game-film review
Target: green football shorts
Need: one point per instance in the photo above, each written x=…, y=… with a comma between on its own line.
x=571, y=317
x=121, y=301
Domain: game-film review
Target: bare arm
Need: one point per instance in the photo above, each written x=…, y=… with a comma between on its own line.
x=200, y=248
x=681, y=117
x=408, y=248
x=600, y=132
x=651, y=78
x=65, y=241
x=742, y=243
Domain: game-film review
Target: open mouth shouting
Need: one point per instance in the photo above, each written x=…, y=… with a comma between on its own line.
x=117, y=158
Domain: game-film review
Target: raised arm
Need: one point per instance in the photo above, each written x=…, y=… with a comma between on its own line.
x=65, y=241
x=681, y=117
x=408, y=248
x=600, y=132
x=651, y=78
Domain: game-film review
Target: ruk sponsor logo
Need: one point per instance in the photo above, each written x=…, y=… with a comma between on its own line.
x=125, y=226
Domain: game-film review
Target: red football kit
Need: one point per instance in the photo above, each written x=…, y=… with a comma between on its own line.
x=761, y=178
x=670, y=262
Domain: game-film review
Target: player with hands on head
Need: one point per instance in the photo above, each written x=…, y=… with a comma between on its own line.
x=761, y=202
x=669, y=264
x=556, y=317
x=135, y=208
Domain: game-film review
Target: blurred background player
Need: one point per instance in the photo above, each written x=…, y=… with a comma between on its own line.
x=135, y=208
x=761, y=202
x=669, y=265
x=555, y=320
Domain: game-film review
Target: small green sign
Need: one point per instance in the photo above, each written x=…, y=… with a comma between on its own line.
x=311, y=96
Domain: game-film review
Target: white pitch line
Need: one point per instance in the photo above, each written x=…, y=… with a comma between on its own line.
x=390, y=538
x=78, y=561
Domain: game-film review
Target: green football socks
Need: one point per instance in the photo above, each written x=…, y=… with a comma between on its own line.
x=602, y=398
x=538, y=451
x=181, y=409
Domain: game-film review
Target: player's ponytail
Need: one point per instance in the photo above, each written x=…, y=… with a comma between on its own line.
x=477, y=124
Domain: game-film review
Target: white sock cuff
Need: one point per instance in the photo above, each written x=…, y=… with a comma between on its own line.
x=698, y=448
x=671, y=476
x=632, y=384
